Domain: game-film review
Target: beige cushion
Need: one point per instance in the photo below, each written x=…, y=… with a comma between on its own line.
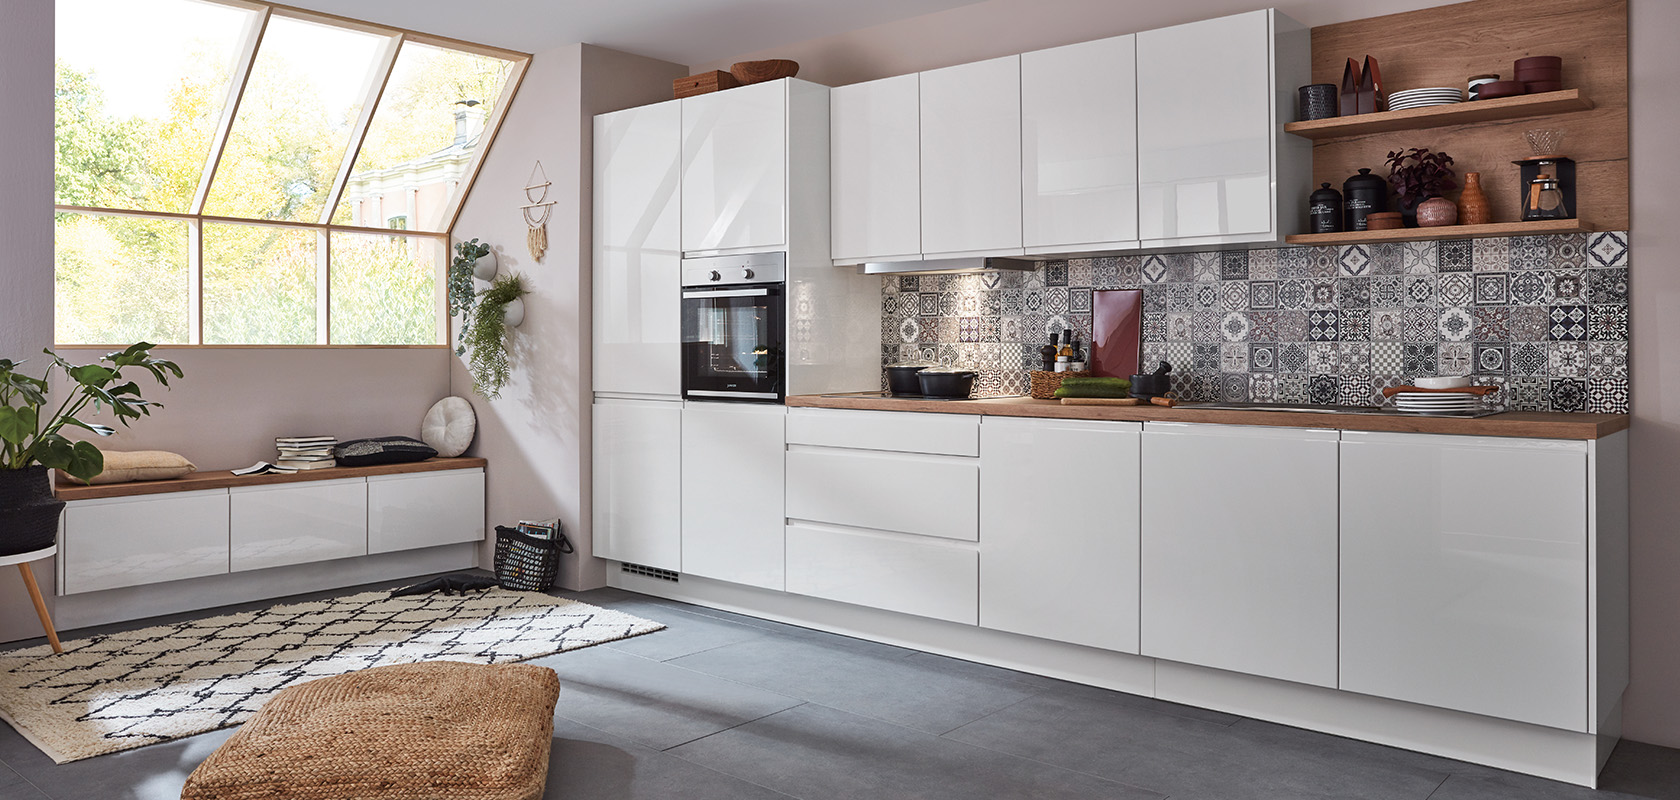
x=437, y=729
x=142, y=465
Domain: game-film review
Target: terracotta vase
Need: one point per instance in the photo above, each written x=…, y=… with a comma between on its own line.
x=1435, y=212
x=1473, y=208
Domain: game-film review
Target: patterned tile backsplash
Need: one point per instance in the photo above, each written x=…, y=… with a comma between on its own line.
x=1543, y=317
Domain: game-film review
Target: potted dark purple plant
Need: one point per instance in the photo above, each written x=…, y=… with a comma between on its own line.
x=1417, y=175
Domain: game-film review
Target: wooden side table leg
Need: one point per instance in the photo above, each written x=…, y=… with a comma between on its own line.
x=40, y=607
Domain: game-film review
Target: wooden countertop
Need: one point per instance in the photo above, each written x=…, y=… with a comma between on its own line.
x=1520, y=424
x=223, y=479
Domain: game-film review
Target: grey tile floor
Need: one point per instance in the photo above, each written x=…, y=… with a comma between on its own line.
x=729, y=707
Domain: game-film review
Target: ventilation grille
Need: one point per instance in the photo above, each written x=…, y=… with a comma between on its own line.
x=650, y=572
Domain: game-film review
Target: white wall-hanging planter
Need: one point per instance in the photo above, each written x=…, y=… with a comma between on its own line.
x=514, y=313
x=485, y=267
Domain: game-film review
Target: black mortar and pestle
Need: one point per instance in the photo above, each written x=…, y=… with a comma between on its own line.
x=1152, y=385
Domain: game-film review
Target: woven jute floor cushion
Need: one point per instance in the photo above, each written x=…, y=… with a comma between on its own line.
x=437, y=730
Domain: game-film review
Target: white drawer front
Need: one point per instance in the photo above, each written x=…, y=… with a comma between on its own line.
x=283, y=524
x=871, y=490
x=925, y=578
x=411, y=511
x=129, y=541
x=943, y=434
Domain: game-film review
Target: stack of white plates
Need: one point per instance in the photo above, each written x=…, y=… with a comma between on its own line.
x=1437, y=402
x=1424, y=98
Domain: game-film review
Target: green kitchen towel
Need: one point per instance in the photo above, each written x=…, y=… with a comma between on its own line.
x=1105, y=382
x=1094, y=391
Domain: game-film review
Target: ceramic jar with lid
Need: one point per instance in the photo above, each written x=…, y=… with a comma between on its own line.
x=1324, y=209
x=1363, y=194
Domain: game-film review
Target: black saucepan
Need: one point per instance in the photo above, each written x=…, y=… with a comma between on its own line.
x=938, y=382
x=901, y=378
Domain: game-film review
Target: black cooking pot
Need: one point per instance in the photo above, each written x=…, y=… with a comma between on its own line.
x=901, y=378
x=1154, y=384
x=946, y=382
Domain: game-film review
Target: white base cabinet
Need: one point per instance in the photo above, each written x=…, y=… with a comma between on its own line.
x=424, y=510
x=1067, y=577
x=1464, y=574
x=638, y=482
x=733, y=475
x=1239, y=549
x=127, y=541
x=923, y=576
x=282, y=524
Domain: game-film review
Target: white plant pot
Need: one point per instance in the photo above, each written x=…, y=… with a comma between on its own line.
x=514, y=312
x=484, y=268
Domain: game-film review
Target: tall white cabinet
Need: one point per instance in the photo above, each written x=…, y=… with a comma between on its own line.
x=1214, y=165
x=1239, y=549
x=875, y=170
x=638, y=250
x=971, y=158
x=733, y=467
x=1079, y=158
x=1050, y=575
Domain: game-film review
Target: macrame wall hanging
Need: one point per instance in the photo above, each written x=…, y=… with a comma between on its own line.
x=536, y=212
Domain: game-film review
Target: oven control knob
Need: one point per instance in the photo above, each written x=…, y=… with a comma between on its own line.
x=717, y=276
x=746, y=273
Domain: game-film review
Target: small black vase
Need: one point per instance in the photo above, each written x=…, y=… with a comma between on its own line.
x=1408, y=209
x=28, y=511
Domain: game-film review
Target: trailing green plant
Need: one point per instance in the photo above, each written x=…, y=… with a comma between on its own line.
x=485, y=335
x=461, y=292
x=28, y=436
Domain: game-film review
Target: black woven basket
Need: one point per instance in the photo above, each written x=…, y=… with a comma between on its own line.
x=526, y=563
x=28, y=511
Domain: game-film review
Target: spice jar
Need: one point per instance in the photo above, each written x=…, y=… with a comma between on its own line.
x=1324, y=210
x=1363, y=194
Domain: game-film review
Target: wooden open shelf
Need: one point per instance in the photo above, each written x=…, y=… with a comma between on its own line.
x=1535, y=228
x=1528, y=105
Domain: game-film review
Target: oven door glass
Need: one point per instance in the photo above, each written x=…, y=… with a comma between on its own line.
x=732, y=343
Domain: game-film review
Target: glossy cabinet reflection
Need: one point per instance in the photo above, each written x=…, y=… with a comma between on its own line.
x=1079, y=157
x=734, y=168
x=128, y=541
x=638, y=250
x=732, y=479
x=281, y=524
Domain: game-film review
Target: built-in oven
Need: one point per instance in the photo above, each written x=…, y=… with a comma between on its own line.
x=733, y=327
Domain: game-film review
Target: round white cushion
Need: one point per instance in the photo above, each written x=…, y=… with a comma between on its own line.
x=449, y=426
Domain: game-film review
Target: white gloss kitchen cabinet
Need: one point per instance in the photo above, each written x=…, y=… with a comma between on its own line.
x=638, y=250
x=755, y=170
x=1079, y=158
x=733, y=474
x=1214, y=165
x=1475, y=570
x=1070, y=578
x=971, y=159
x=638, y=481
x=1239, y=549
x=875, y=170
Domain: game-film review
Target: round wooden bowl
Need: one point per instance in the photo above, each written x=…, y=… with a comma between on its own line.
x=1384, y=221
x=748, y=72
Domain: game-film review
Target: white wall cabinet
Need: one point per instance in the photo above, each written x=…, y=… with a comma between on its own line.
x=129, y=541
x=732, y=492
x=734, y=169
x=638, y=482
x=1464, y=574
x=1214, y=165
x=424, y=509
x=875, y=158
x=638, y=250
x=1079, y=158
x=1071, y=579
x=1239, y=549
x=971, y=158
x=277, y=525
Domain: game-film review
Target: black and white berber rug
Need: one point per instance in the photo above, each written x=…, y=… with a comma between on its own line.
x=127, y=690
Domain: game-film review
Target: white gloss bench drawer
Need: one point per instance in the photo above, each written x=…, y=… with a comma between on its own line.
x=114, y=542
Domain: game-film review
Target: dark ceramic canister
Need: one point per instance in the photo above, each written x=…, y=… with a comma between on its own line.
x=1324, y=210
x=1363, y=194
x=1318, y=101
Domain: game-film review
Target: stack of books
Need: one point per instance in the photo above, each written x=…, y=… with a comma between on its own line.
x=305, y=452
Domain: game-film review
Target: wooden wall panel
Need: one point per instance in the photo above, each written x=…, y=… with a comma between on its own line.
x=1444, y=46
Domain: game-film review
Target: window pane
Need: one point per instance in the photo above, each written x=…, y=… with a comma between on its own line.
x=384, y=289
x=293, y=123
x=259, y=284
x=422, y=138
x=139, y=89
x=121, y=280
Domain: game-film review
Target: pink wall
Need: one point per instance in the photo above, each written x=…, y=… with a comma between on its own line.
x=1001, y=27
x=537, y=434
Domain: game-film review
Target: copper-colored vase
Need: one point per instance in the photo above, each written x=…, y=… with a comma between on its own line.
x=1435, y=212
x=1473, y=208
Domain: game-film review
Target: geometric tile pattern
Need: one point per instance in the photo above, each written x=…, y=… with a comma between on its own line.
x=1543, y=317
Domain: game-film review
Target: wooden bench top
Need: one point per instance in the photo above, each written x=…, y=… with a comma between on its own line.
x=222, y=479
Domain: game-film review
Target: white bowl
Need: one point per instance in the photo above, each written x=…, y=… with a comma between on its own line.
x=1455, y=382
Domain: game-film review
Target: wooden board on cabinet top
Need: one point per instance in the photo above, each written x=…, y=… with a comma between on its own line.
x=1517, y=424
x=222, y=479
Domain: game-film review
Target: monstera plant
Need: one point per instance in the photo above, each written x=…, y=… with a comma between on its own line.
x=33, y=440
